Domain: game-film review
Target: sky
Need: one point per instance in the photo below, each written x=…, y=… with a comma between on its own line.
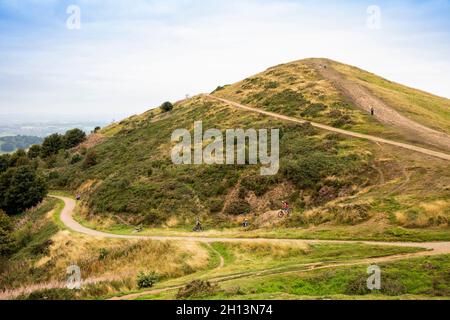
x=129, y=56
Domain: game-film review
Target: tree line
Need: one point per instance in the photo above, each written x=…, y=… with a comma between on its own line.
x=22, y=184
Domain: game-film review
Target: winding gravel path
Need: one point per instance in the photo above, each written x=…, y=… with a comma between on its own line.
x=434, y=248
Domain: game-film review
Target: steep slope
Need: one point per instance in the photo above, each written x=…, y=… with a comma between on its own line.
x=328, y=92
x=419, y=109
x=340, y=185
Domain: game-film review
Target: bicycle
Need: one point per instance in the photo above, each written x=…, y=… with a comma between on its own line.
x=197, y=228
x=284, y=212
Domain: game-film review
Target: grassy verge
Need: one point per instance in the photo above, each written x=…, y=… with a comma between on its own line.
x=420, y=278
x=245, y=260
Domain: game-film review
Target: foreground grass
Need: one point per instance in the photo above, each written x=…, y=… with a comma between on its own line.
x=420, y=278
x=246, y=260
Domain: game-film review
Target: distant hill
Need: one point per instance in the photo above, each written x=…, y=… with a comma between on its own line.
x=12, y=143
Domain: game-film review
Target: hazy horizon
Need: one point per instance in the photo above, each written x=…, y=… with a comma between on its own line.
x=127, y=59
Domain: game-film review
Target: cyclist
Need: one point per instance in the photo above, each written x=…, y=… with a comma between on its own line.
x=246, y=223
x=198, y=225
x=285, y=209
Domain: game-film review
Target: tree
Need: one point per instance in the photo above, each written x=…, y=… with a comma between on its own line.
x=5, y=162
x=34, y=151
x=73, y=138
x=21, y=188
x=52, y=144
x=6, y=239
x=19, y=158
x=167, y=106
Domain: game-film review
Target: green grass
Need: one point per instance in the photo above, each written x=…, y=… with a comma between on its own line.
x=419, y=278
x=244, y=260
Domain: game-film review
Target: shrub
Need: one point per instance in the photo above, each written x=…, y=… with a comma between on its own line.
x=103, y=254
x=153, y=217
x=389, y=286
x=271, y=85
x=219, y=88
x=41, y=248
x=216, y=205
x=238, y=207
x=313, y=110
x=76, y=158
x=167, y=106
x=6, y=239
x=258, y=184
x=34, y=151
x=198, y=289
x=50, y=294
x=90, y=160
x=147, y=279
x=286, y=100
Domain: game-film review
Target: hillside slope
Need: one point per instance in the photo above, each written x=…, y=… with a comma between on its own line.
x=342, y=96
x=336, y=185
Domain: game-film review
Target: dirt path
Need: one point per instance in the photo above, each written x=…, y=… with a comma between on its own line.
x=365, y=100
x=435, y=248
x=432, y=248
x=429, y=152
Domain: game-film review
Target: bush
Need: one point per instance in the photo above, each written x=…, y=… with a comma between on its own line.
x=198, y=289
x=313, y=110
x=258, y=184
x=390, y=286
x=90, y=160
x=50, y=294
x=216, y=205
x=238, y=207
x=41, y=248
x=167, y=106
x=103, y=254
x=271, y=85
x=147, y=279
x=76, y=158
x=34, y=151
x=6, y=239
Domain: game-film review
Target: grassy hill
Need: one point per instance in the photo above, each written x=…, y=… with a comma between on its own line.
x=339, y=187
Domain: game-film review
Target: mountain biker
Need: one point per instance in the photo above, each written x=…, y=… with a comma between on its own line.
x=78, y=197
x=198, y=225
x=246, y=223
x=285, y=208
